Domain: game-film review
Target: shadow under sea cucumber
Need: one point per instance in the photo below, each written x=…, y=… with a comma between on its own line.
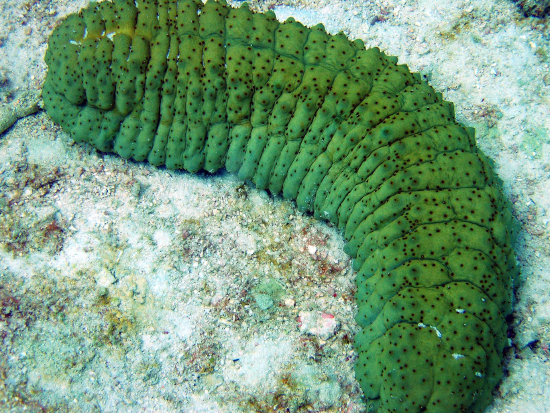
x=346, y=132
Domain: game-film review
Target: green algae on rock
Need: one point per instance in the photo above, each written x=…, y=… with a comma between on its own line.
x=346, y=132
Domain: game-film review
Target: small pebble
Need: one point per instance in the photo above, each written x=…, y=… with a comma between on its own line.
x=289, y=302
x=104, y=278
x=317, y=323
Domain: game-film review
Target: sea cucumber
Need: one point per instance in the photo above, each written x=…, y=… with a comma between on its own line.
x=346, y=132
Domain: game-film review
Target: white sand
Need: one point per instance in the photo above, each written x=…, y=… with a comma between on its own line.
x=127, y=288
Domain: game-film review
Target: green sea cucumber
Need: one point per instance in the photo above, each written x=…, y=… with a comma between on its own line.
x=346, y=132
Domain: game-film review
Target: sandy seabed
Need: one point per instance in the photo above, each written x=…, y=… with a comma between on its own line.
x=124, y=287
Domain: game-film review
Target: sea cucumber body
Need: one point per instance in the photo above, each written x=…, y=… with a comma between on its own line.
x=346, y=132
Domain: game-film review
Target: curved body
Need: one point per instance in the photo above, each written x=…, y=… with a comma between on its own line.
x=346, y=132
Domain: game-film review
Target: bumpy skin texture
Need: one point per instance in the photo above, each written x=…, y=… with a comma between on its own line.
x=349, y=134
